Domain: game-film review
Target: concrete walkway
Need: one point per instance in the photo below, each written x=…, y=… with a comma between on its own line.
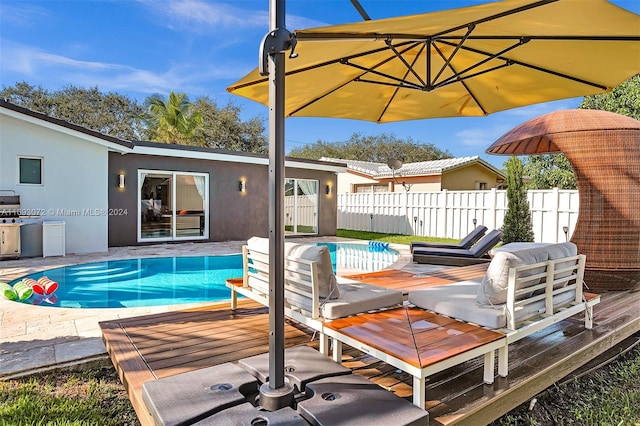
x=37, y=338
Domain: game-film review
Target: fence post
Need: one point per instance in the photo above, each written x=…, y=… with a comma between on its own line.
x=556, y=213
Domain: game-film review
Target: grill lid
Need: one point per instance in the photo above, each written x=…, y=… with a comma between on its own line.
x=9, y=204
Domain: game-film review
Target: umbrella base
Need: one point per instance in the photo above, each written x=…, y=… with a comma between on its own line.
x=275, y=399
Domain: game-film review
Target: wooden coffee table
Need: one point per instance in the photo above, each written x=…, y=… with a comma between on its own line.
x=418, y=342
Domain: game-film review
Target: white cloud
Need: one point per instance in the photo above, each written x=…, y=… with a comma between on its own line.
x=481, y=136
x=22, y=14
x=50, y=69
x=213, y=16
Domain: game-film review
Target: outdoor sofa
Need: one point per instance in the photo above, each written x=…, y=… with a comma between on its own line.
x=527, y=287
x=314, y=297
x=478, y=253
x=464, y=243
x=312, y=292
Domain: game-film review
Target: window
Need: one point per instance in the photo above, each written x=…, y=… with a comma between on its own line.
x=173, y=205
x=30, y=170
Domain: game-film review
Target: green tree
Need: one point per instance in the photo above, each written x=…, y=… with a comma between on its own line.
x=175, y=120
x=554, y=170
x=108, y=113
x=223, y=128
x=623, y=99
x=378, y=148
x=549, y=171
x=517, y=222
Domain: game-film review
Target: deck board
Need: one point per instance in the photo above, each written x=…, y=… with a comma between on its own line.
x=154, y=346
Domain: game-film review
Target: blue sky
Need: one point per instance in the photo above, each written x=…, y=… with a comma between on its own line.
x=199, y=47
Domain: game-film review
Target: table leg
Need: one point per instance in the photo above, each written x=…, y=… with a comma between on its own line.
x=419, y=392
x=489, y=365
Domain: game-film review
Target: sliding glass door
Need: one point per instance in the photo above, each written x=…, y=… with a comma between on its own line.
x=301, y=206
x=173, y=205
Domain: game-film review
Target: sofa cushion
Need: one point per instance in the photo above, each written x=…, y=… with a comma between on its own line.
x=327, y=284
x=356, y=298
x=558, y=251
x=493, y=289
x=458, y=300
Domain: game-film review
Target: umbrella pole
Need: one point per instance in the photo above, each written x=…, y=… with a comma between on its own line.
x=276, y=393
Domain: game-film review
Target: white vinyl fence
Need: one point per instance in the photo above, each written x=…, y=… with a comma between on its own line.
x=451, y=214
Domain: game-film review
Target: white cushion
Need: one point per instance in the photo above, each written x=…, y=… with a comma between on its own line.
x=327, y=284
x=356, y=298
x=558, y=251
x=493, y=289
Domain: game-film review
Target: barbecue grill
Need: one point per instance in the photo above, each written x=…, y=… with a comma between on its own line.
x=10, y=223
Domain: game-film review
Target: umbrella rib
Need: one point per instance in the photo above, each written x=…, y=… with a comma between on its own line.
x=325, y=63
x=404, y=61
x=447, y=61
x=459, y=75
x=395, y=92
x=344, y=61
x=537, y=68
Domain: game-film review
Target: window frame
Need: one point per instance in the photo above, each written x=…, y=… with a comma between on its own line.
x=19, y=169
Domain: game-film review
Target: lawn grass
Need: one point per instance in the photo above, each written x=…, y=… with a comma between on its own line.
x=608, y=396
x=388, y=238
x=67, y=398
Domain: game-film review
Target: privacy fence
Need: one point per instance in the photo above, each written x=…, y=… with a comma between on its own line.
x=453, y=214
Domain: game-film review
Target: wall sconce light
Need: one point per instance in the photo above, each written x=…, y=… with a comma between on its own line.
x=121, y=180
x=242, y=187
x=328, y=189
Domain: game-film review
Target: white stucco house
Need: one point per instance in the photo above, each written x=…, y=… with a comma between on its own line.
x=101, y=186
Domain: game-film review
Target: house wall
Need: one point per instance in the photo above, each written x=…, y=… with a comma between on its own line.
x=73, y=189
x=419, y=183
x=465, y=178
x=233, y=215
x=346, y=180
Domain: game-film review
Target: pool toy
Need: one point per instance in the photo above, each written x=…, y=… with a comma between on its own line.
x=46, y=285
x=34, y=285
x=8, y=292
x=378, y=246
x=23, y=290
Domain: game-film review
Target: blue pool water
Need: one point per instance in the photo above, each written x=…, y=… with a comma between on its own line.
x=173, y=280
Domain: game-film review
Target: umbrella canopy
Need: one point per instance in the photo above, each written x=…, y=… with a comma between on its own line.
x=604, y=151
x=462, y=62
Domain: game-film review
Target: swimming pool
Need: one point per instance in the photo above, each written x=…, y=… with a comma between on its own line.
x=175, y=280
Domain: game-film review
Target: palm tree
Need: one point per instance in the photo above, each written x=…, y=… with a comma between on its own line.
x=173, y=121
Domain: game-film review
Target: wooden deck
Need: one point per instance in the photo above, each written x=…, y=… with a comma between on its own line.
x=155, y=346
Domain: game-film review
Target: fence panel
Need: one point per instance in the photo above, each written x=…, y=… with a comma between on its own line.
x=453, y=214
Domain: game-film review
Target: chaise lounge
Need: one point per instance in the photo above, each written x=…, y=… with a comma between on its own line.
x=478, y=253
x=464, y=243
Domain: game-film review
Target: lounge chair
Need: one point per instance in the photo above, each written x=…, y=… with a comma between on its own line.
x=464, y=243
x=478, y=253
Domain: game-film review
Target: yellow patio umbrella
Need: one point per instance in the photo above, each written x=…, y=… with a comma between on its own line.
x=463, y=62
